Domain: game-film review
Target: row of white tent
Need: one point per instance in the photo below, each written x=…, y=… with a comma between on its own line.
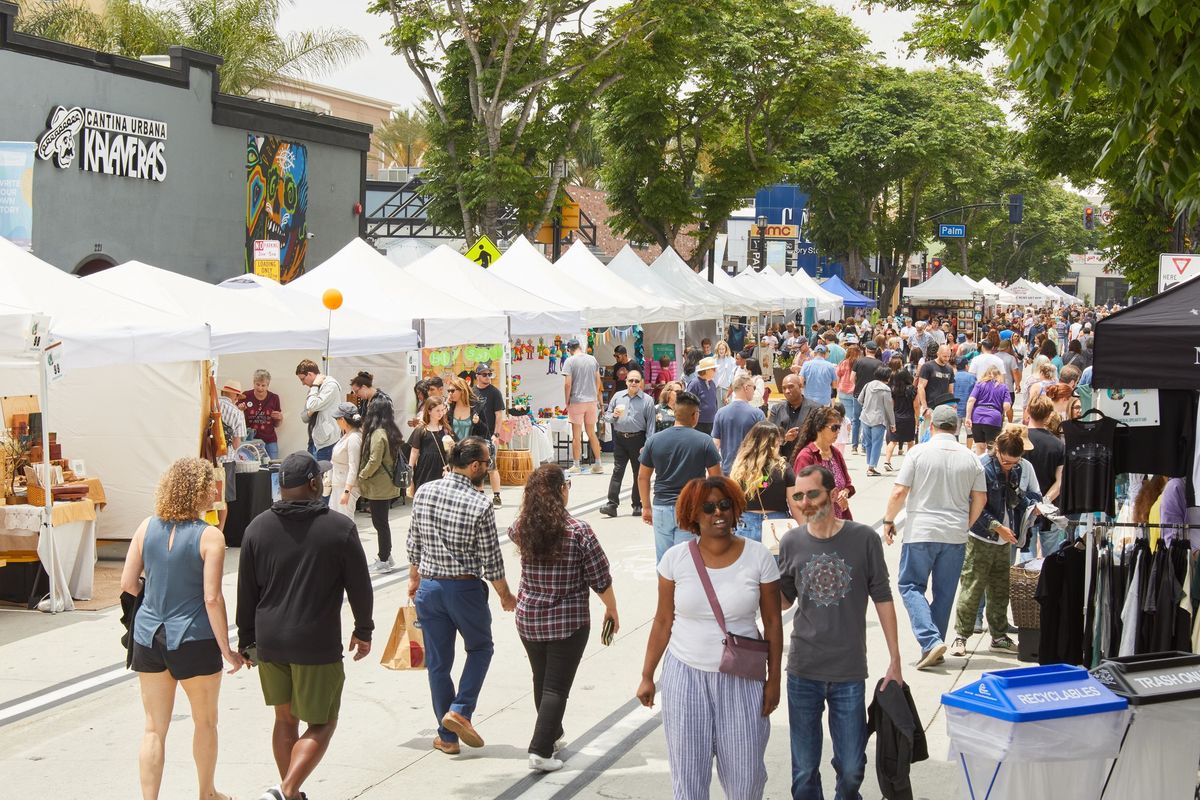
x=946, y=285
x=136, y=338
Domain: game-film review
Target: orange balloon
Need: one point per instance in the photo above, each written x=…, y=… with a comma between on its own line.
x=332, y=299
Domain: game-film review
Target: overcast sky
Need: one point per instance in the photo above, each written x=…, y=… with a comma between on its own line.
x=383, y=75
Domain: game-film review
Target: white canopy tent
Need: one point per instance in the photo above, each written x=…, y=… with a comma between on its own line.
x=757, y=285
x=528, y=314
x=979, y=287
x=128, y=401
x=674, y=269
x=630, y=267
x=373, y=285
x=523, y=266
x=1027, y=292
x=794, y=296
x=582, y=266
x=829, y=305
x=1004, y=296
x=1067, y=298
x=942, y=285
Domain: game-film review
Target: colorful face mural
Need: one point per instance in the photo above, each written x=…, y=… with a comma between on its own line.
x=277, y=201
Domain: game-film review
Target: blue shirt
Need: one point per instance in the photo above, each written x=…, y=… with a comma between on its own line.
x=707, y=392
x=964, y=382
x=174, y=585
x=837, y=353
x=732, y=423
x=819, y=376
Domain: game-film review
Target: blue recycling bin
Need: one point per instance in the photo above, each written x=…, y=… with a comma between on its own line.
x=1034, y=732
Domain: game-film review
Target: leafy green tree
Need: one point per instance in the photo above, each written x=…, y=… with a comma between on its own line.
x=242, y=32
x=508, y=86
x=709, y=106
x=404, y=138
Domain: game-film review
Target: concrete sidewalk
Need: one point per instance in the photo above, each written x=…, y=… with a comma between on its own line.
x=86, y=746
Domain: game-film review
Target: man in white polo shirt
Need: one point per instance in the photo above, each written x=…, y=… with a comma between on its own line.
x=942, y=487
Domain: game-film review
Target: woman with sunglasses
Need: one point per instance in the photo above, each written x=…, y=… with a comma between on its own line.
x=561, y=560
x=699, y=699
x=815, y=446
x=464, y=415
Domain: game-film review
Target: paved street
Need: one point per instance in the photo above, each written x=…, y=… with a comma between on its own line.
x=86, y=746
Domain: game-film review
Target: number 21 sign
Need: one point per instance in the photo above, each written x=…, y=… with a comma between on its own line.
x=1137, y=408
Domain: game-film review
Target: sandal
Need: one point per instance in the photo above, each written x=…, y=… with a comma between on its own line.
x=888, y=467
x=874, y=473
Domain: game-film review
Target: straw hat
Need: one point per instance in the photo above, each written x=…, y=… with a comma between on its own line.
x=706, y=364
x=232, y=385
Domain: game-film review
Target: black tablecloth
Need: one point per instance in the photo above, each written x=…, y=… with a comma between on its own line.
x=253, y=498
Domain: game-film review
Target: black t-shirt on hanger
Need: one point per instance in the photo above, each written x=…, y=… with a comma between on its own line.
x=1089, y=473
x=1165, y=449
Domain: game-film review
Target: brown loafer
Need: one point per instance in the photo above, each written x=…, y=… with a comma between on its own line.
x=449, y=748
x=462, y=726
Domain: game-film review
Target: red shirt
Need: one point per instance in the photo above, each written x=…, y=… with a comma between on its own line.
x=258, y=415
x=552, y=601
x=836, y=464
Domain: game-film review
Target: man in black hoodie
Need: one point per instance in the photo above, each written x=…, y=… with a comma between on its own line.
x=297, y=560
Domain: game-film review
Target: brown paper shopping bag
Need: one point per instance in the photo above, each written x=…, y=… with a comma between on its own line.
x=406, y=646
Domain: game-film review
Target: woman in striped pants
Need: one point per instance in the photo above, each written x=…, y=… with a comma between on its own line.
x=698, y=699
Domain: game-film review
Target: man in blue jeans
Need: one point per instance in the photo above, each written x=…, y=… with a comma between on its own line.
x=453, y=548
x=830, y=568
x=942, y=487
x=675, y=456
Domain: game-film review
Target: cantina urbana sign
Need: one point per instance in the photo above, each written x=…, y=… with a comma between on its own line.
x=108, y=143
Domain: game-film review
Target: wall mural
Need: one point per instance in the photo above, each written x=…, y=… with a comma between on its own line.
x=277, y=201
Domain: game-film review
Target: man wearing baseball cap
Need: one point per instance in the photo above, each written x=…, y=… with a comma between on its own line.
x=298, y=559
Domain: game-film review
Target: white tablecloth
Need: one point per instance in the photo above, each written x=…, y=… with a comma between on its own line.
x=540, y=446
x=74, y=548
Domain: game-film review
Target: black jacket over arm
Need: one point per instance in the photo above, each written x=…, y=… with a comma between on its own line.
x=899, y=739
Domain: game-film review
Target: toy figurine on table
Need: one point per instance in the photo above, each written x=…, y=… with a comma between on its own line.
x=552, y=361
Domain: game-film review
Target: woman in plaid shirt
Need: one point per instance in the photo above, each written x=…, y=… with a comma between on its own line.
x=560, y=560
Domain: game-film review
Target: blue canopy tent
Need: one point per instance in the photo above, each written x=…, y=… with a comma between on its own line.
x=851, y=298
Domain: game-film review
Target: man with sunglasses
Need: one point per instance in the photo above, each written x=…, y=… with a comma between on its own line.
x=674, y=457
x=631, y=413
x=830, y=568
x=942, y=488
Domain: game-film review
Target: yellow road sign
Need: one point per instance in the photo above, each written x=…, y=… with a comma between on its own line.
x=484, y=252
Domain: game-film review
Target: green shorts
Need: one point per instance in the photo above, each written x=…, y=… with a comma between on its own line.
x=314, y=691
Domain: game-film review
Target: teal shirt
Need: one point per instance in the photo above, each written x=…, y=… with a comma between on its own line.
x=837, y=353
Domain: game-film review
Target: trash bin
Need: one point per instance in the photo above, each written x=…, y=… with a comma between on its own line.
x=1159, y=755
x=1034, y=732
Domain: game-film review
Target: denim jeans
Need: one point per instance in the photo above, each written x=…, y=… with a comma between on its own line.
x=853, y=409
x=919, y=562
x=666, y=532
x=847, y=728
x=448, y=609
x=273, y=450
x=872, y=439
x=750, y=526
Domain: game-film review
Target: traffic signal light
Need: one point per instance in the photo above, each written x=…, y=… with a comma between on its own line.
x=1089, y=219
x=935, y=264
x=1016, y=208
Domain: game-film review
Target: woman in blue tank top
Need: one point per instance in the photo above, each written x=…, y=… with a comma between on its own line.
x=181, y=631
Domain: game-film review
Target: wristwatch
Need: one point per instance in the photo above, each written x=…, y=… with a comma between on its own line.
x=889, y=522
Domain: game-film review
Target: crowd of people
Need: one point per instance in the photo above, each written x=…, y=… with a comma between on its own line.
x=750, y=507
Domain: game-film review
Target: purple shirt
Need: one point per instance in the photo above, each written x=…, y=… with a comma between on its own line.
x=990, y=398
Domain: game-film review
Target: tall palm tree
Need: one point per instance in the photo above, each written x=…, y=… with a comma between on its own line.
x=242, y=32
x=404, y=138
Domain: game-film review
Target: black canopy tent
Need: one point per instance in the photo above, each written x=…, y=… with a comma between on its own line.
x=1152, y=345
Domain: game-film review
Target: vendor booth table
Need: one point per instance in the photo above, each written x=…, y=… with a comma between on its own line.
x=73, y=542
x=253, y=498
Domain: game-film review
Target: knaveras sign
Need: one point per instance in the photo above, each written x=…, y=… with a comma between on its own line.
x=108, y=143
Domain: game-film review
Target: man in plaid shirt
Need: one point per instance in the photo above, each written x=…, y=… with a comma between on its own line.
x=453, y=548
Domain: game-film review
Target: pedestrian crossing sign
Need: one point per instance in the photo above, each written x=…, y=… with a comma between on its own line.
x=484, y=252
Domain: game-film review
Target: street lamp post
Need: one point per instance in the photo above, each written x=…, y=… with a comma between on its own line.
x=762, y=241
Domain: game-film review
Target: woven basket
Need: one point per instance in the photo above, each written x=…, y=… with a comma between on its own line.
x=1027, y=612
x=515, y=466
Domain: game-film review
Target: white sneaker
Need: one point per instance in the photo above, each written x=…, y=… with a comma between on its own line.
x=540, y=764
x=560, y=744
x=574, y=469
x=597, y=468
x=383, y=566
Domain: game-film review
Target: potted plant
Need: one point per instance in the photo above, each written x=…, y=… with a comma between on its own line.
x=783, y=367
x=14, y=457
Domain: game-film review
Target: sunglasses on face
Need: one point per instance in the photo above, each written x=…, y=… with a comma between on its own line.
x=811, y=494
x=711, y=508
x=633, y=380
x=484, y=374
x=835, y=427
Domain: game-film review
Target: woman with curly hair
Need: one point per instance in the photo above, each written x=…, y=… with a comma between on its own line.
x=181, y=630
x=381, y=457
x=705, y=711
x=561, y=559
x=815, y=446
x=764, y=477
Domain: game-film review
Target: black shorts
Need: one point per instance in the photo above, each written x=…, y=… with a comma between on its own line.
x=191, y=660
x=984, y=434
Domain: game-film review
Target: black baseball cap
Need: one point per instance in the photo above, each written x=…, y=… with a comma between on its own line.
x=299, y=468
x=483, y=369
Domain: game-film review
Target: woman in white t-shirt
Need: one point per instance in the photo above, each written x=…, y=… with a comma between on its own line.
x=698, y=698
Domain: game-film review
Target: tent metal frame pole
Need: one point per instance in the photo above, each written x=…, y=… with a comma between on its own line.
x=48, y=482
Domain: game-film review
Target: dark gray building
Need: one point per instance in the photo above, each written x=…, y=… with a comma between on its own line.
x=137, y=161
